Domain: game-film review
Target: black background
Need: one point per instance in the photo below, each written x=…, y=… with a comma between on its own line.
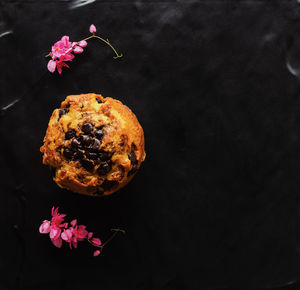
x=215, y=85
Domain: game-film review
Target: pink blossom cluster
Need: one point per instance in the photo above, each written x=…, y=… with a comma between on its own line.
x=60, y=231
x=62, y=51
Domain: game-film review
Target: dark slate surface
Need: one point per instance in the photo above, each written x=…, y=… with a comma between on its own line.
x=215, y=84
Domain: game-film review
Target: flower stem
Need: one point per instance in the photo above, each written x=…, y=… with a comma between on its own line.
x=107, y=42
x=109, y=239
x=113, y=235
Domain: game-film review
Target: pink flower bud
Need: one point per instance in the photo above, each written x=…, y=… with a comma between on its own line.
x=45, y=227
x=92, y=28
x=82, y=43
x=78, y=49
x=96, y=253
x=90, y=234
x=96, y=242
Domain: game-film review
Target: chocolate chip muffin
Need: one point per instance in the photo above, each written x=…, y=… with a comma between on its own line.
x=94, y=145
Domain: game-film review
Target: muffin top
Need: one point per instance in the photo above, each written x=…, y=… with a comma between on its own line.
x=94, y=145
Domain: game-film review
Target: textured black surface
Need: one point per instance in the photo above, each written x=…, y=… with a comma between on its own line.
x=215, y=86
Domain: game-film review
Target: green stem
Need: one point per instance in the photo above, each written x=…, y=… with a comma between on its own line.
x=113, y=235
x=108, y=43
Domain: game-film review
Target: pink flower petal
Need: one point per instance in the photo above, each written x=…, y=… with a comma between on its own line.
x=92, y=28
x=65, y=40
x=54, y=232
x=66, y=235
x=45, y=227
x=96, y=242
x=82, y=43
x=74, y=223
x=51, y=65
x=96, y=253
x=78, y=49
x=57, y=242
x=90, y=234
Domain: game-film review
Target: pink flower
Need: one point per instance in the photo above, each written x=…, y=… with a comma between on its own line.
x=80, y=232
x=96, y=253
x=61, y=47
x=96, y=242
x=90, y=234
x=45, y=227
x=92, y=28
x=82, y=43
x=57, y=218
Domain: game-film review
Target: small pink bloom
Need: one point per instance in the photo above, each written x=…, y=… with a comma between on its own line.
x=96, y=253
x=81, y=232
x=51, y=65
x=45, y=227
x=90, y=234
x=92, y=28
x=57, y=242
x=78, y=49
x=96, y=242
x=82, y=43
x=66, y=235
x=54, y=232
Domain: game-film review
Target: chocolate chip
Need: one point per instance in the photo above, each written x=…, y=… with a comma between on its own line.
x=87, y=128
x=75, y=143
x=104, y=168
x=87, y=164
x=132, y=157
x=95, y=144
x=70, y=134
x=91, y=155
x=62, y=112
x=104, y=156
x=98, y=100
x=108, y=184
x=78, y=155
x=86, y=140
x=68, y=153
x=133, y=147
x=99, y=133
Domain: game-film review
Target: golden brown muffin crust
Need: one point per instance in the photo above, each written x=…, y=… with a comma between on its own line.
x=94, y=144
